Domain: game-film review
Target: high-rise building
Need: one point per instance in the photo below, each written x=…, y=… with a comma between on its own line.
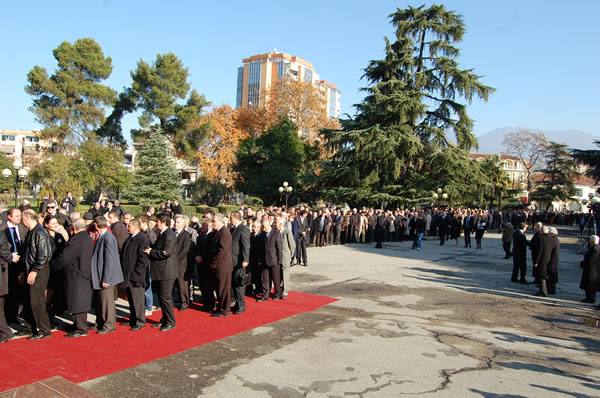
x=260, y=72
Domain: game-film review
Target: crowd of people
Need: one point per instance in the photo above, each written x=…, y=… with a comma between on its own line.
x=59, y=261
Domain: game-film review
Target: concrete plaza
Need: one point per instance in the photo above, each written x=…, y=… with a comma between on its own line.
x=444, y=321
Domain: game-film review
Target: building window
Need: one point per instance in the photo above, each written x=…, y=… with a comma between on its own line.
x=254, y=84
x=282, y=69
x=8, y=137
x=308, y=75
x=508, y=164
x=332, y=103
x=240, y=82
x=31, y=138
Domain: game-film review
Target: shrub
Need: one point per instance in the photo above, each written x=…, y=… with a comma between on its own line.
x=254, y=202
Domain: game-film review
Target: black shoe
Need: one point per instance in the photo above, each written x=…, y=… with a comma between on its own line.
x=305, y=264
x=76, y=334
x=238, y=312
x=136, y=327
x=514, y=280
x=589, y=301
x=166, y=328
x=260, y=300
x=23, y=333
x=275, y=297
x=39, y=336
x=540, y=294
x=157, y=325
x=125, y=323
x=523, y=282
x=105, y=331
x=183, y=308
x=219, y=315
x=2, y=341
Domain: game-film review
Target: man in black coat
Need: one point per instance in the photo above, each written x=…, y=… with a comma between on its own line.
x=443, y=227
x=240, y=254
x=591, y=270
x=303, y=236
x=380, y=229
x=183, y=242
x=553, y=265
x=206, y=275
x=519, y=254
x=541, y=262
x=69, y=203
x=134, y=263
x=38, y=253
x=75, y=262
x=16, y=234
x=222, y=265
x=271, y=262
x=535, y=244
x=6, y=257
x=163, y=271
x=118, y=229
x=468, y=227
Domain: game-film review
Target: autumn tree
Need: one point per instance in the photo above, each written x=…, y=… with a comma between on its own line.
x=216, y=157
x=70, y=103
x=531, y=149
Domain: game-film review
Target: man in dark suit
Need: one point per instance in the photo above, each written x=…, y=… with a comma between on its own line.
x=519, y=254
x=106, y=275
x=443, y=227
x=134, y=263
x=69, y=203
x=118, y=229
x=6, y=257
x=206, y=275
x=591, y=270
x=16, y=234
x=380, y=229
x=468, y=226
x=303, y=231
x=75, y=261
x=240, y=254
x=38, y=253
x=176, y=208
x=271, y=262
x=222, y=265
x=183, y=243
x=163, y=271
x=337, y=222
x=535, y=245
x=542, y=261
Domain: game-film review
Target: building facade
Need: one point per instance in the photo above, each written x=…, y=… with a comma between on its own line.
x=259, y=72
x=24, y=146
x=513, y=166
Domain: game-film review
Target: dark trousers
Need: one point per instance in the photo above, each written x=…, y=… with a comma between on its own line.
x=338, y=234
x=542, y=286
x=239, y=295
x=301, y=250
x=184, y=289
x=17, y=293
x=106, y=314
x=137, y=314
x=271, y=274
x=519, y=266
x=224, y=292
x=506, y=247
x=208, y=285
x=36, y=318
x=551, y=286
x=5, y=331
x=467, y=238
x=164, y=290
x=80, y=322
x=320, y=238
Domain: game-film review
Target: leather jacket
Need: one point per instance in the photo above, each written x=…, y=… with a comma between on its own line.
x=38, y=249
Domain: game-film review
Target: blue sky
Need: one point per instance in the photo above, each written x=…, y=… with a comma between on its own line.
x=541, y=56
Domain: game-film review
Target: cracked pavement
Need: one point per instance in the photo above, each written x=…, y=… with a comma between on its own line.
x=445, y=321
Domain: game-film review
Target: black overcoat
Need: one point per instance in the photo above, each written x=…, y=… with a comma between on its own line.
x=163, y=261
x=75, y=262
x=553, y=265
x=591, y=269
x=134, y=261
x=543, y=257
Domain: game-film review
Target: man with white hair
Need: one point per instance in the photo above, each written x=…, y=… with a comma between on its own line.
x=591, y=270
x=535, y=245
x=288, y=245
x=553, y=264
x=541, y=261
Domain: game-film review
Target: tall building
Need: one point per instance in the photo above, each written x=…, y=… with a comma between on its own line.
x=259, y=72
x=24, y=146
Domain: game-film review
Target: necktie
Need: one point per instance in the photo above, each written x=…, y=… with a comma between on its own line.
x=15, y=239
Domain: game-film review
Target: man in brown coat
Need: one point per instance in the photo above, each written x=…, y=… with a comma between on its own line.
x=222, y=264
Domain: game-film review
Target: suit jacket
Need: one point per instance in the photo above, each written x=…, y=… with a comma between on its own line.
x=134, y=261
x=106, y=266
x=288, y=245
x=183, y=242
x=273, y=250
x=519, y=246
x=163, y=260
x=220, y=251
x=302, y=226
x=76, y=262
x=38, y=249
x=17, y=245
x=240, y=245
x=5, y=259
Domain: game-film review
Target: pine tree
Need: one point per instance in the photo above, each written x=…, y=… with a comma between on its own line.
x=412, y=102
x=558, y=176
x=156, y=177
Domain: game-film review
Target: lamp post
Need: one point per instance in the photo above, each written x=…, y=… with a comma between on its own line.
x=20, y=174
x=440, y=194
x=286, y=189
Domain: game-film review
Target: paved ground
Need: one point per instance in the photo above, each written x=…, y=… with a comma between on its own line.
x=445, y=321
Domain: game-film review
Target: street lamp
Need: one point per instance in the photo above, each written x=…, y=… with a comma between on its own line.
x=285, y=189
x=19, y=176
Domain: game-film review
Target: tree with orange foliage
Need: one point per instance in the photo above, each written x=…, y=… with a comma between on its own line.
x=216, y=156
x=301, y=102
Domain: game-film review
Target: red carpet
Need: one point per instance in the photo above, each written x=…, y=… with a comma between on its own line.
x=23, y=362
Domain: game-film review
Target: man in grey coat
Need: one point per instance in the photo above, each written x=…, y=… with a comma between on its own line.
x=106, y=274
x=288, y=245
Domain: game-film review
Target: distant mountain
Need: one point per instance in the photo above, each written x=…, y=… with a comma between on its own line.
x=491, y=142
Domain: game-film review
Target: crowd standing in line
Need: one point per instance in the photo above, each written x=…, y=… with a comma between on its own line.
x=59, y=261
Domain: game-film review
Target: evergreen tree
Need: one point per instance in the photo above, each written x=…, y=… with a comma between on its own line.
x=70, y=103
x=589, y=158
x=411, y=102
x=156, y=177
x=557, y=183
